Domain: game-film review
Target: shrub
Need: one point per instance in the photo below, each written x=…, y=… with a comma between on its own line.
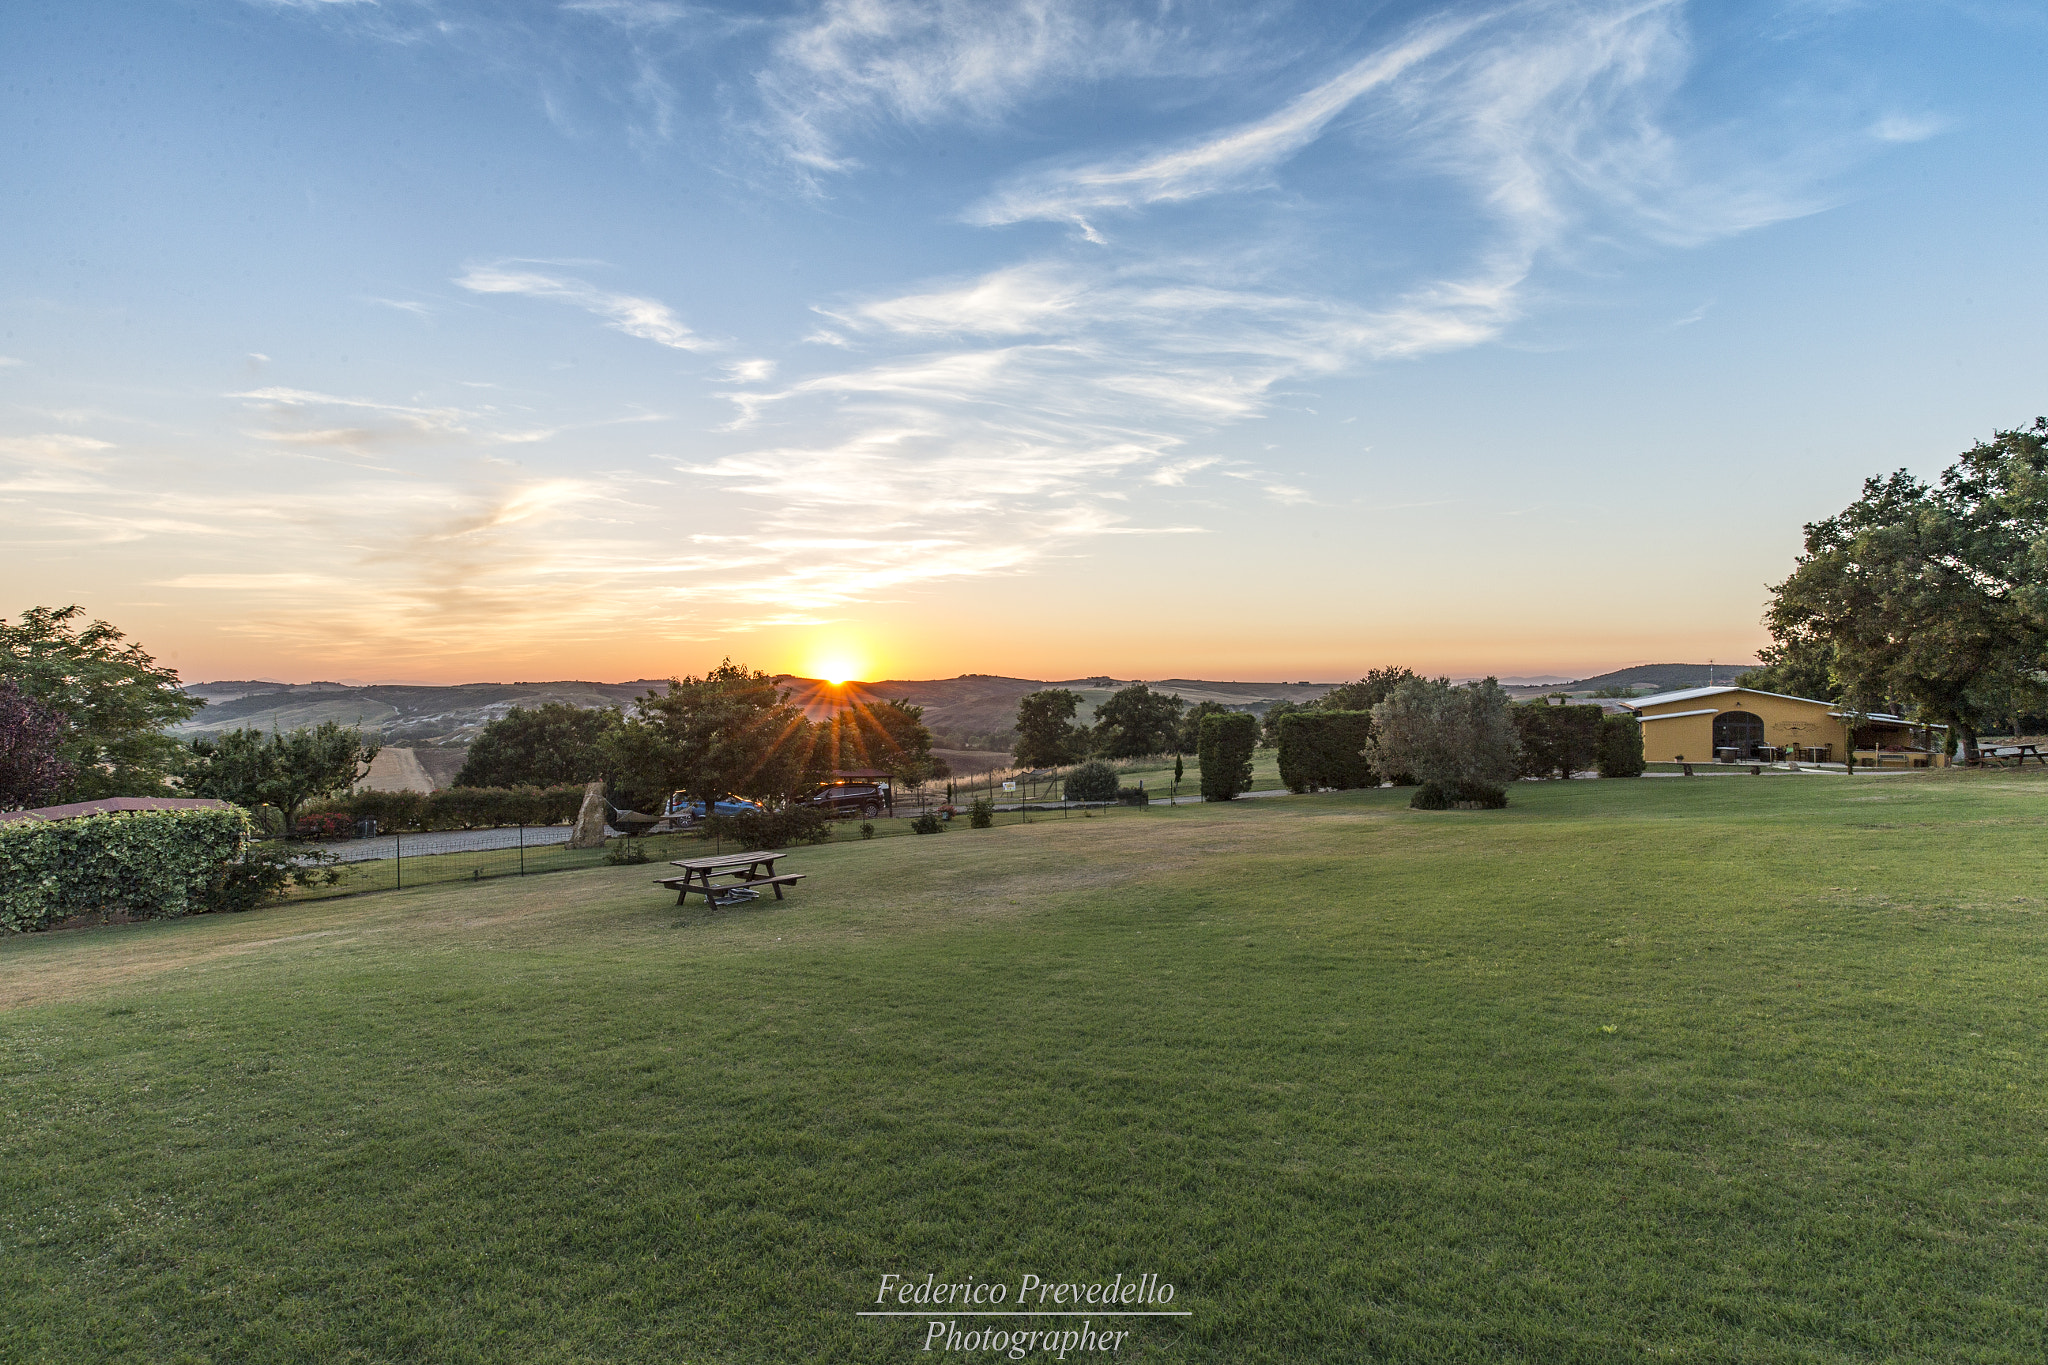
x=1326, y=749
x=1447, y=795
x=1430, y=796
x=1228, y=742
x=928, y=823
x=625, y=853
x=773, y=828
x=1621, y=747
x=981, y=812
x=146, y=865
x=867, y=829
x=1133, y=796
x=1094, y=781
x=265, y=871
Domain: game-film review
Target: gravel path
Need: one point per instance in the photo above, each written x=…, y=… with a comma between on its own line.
x=448, y=841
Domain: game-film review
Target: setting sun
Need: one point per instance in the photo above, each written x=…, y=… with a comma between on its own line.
x=836, y=670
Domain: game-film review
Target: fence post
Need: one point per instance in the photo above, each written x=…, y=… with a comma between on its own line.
x=398, y=857
x=522, y=848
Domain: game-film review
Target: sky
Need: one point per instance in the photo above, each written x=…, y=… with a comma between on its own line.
x=444, y=341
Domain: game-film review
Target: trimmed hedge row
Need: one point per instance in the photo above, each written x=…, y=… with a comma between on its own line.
x=459, y=807
x=155, y=864
x=1326, y=749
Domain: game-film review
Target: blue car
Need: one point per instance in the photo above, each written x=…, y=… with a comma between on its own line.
x=679, y=804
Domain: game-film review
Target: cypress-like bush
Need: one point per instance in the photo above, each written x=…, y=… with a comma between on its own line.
x=1326, y=749
x=1228, y=742
x=981, y=812
x=1092, y=781
x=1621, y=747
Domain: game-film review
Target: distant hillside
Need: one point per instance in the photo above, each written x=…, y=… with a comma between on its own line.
x=973, y=711
x=1662, y=677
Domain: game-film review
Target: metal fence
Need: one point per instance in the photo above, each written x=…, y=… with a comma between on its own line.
x=392, y=862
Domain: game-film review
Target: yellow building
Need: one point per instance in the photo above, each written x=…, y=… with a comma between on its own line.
x=1742, y=725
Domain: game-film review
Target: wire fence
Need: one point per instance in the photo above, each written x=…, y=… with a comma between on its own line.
x=393, y=862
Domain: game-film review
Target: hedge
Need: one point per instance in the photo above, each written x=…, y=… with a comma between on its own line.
x=1326, y=749
x=459, y=807
x=1557, y=741
x=1225, y=754
x=144, y=864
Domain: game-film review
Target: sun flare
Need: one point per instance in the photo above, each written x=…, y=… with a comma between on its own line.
x=836, y=670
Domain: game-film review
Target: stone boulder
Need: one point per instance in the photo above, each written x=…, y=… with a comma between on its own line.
x=589, y=832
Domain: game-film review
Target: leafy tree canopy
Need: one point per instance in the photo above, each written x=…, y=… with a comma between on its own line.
x=31, y=770
x=1047, y=736
x=891, y=737
x=731, y=731
x=1137, y=721
x=115, y=700
x=1931, y=594
x=1369, y=691
x=552, y=745
x=284, y=770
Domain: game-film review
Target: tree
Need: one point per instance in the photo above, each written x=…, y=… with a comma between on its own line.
x=1458, y=739
x=1929, y=594
x=284, y=770
x=1369, y=691
x=1137, y=721
x=31, y=771
x=114, y=698
x=1795, y=668
x=552, y=745
x=731, y=731
x=1046, y=734
x=1227, y=744
x=1191, y=724
x=1269, y=725
x=891, y=736
x=1557, y=740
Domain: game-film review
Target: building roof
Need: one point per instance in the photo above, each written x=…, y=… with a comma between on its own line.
x=113, y=805
x=1694, y=693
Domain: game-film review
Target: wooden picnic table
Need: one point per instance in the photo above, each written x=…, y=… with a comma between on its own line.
x=2018, y=753
x=756, y=868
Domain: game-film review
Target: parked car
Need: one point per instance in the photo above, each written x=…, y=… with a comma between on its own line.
x=680, y=805
x=848, y=798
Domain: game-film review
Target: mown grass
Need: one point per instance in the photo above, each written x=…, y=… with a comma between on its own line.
x=1678, y=1070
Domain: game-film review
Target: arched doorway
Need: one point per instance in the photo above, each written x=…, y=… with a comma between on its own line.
x=1740, y=731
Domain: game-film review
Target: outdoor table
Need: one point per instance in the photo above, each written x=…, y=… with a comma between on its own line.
x=756, y=868
x=2018, y=753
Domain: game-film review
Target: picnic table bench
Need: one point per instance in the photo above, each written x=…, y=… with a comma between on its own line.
x=2018, y=753
x=743, y=871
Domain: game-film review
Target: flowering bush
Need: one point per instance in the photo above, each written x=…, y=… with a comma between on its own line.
x=332, y=824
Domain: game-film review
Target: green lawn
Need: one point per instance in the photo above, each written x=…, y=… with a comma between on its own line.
x=1713, y=1070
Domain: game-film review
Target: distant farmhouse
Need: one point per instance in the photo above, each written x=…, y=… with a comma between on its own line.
x=1742, y=725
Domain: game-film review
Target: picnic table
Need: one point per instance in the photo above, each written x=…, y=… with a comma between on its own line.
x=2018, y=753
x=742, y=871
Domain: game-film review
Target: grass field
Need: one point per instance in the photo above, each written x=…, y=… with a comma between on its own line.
x=1654, y=1070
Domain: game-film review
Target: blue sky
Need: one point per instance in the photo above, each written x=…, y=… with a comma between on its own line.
x=442, y=341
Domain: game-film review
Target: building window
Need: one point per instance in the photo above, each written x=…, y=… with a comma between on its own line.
x=1736, y=735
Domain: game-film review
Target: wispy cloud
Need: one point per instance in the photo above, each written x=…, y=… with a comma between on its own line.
x=648, y=319
x=1907, y=128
